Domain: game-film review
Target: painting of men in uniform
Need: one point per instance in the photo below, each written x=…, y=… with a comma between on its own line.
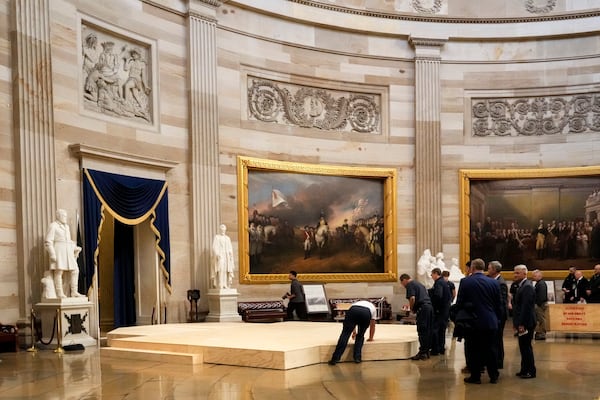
x=315, y=223
x=544, y=223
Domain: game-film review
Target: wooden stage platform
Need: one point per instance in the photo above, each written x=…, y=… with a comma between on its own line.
x=279, y=345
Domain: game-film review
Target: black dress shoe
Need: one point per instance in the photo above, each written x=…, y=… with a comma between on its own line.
x=494, y=379
x=474, y=380
x=332, y=362
x=420, y=356
x=357, y=360
x=527, y=376
x=519, y=373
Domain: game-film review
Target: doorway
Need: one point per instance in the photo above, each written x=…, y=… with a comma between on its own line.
x=129, y=290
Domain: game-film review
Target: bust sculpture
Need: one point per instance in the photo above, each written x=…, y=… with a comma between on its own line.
x=221, y=274
x=63, y=253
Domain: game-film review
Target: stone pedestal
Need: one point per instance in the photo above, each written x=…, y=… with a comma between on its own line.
x=74, y=326
x=222, y=305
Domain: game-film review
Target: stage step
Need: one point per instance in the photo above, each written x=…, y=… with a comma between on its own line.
x=152, y=355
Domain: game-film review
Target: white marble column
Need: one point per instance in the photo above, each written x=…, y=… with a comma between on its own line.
x=34, y=142
x=204, y=131
x=428, y=194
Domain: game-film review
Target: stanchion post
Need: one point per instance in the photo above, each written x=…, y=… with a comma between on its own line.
x=59, y=348
x=32, y=349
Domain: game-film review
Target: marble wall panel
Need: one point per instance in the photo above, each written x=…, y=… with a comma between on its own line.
x=517, y=80
x=127, y=22
x=291, y=50
x=307, y=145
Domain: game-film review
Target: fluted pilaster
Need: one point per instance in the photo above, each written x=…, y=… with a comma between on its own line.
x=204, y=146
x=34, y=142
x=428, y=195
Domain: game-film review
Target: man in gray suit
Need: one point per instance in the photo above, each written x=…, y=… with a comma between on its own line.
x=524, y=320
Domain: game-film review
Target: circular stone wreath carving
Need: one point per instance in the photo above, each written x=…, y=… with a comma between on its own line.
x=434, y=9
x=534, y=9
x=265, y=101
x=363, y=114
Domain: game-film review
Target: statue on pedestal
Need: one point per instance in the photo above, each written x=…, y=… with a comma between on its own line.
x=221, y=273
x=63, y=253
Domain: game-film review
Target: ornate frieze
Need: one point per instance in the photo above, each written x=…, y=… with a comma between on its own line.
x=433, y=9
x=541, y=11
x=548, y=115
x=533, y=6
x=116, y=75
x=310, y=107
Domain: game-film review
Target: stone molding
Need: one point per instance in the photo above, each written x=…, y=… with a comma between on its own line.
x=451, y=20
x=83, y=151
x=536, y=116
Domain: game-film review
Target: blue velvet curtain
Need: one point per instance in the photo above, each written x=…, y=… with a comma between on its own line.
x=124, y=281
x=130, y=201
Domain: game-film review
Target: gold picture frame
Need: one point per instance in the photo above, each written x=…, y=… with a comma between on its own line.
x=345, y=216
x=548, y=196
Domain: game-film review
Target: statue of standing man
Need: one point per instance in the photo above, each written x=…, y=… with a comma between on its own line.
x=221, y=274
x=63, y=254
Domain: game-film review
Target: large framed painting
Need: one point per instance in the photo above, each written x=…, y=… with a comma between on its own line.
x=547, y=219
x=329, y=223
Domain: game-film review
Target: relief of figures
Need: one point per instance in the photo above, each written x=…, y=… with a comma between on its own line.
x=115, y=79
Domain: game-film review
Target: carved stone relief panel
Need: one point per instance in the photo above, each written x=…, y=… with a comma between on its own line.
x=116, y=74
x=530, y=116
x=540, y=6
x=427, y=6
x=313, y=107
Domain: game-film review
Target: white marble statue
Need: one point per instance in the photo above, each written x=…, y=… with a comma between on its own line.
x=63, y=253
x=221, y=274
x=48, y=290
x=439, y=261
x=424, y=266
x=455, y=273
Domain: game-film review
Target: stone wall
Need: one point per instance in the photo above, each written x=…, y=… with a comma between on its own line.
x=295, y=47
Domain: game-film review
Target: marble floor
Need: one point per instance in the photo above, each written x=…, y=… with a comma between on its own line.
x=568, y=368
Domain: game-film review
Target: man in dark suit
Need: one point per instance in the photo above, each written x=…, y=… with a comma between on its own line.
x=481, y=295
x=494, y=269
x=594, y=289
x=541, y=304
x=524, y=321
x=420, y=304
x=440, y=300
x=568, y=286
x=582, y=285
